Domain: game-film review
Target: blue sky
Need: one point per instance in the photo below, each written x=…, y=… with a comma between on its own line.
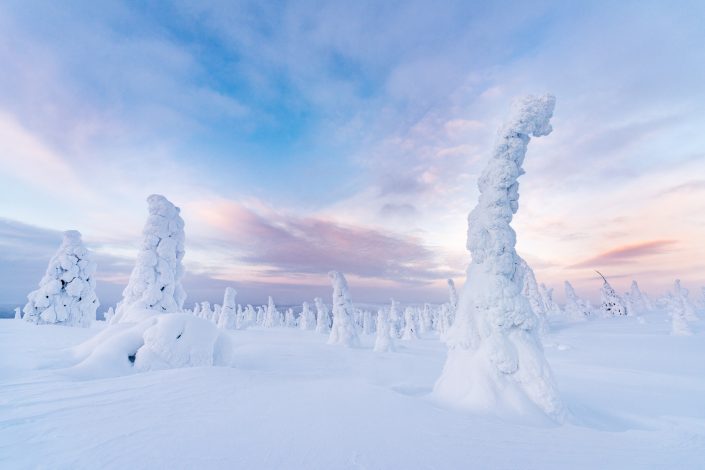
x=302, y=137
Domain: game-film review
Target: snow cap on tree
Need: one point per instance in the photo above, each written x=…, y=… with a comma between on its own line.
x=612, y=304
x=343, y=330
x=155, y=282
x=495, y=360
x=66, y=293
x=322, y=317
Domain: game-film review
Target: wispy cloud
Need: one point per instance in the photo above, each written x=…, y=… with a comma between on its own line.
x=628, y=253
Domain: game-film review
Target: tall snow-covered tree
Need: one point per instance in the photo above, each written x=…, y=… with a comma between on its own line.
x=552, y=308
x=343, y=331
x=638, y=300
x=322, y=316
x=367, y=323
x=395, y=319
x=410, y=329
x=612, y=304
x=289, y=318
x=530, y=289
x=676, y=310
x=18, y=313
x=383, y=339
x=250, y=316
x=425, y=319
x=307, y=320
x=66, y=293
x=109, y=315
x=228, y=315
x=495, y=359
x=155, y=282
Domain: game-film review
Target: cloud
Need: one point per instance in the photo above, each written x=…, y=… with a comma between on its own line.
x=688, y=187
x=627, y=253
x=397, y=210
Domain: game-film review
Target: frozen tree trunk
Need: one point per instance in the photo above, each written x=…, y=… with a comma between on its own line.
x=495, y=359
x=410, y=329
x=612, y=304
x=228, y=315
x=383, y=340
x=322, y=317
x=307, y=321
x=343, y=331
x=66, y=293
x=155, y=282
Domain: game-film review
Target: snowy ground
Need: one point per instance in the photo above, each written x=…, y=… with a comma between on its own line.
x=636, y=393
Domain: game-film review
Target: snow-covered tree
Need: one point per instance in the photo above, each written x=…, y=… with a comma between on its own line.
x=228, y=315
x=250, y=316
x=453, y=295
x=410, y=329
x=289, y=318
x=343, y=330
x=395, y=319
x=307, y=320
x=66, y=293
x=109, y=315
x=639, y=302
x=682, y=294
x=18, y=313
x=575, y=307
x=383, y=340
x=677, y=312
x=530, y=289
x=425, y=319
x=552, y=308
x=206, y=312
x=367, y=323
x=612, y=304
x=444, y=321
x=495, y=360
x=272, y=317
x=196, y=311
x=155, y=282
x=322, y=316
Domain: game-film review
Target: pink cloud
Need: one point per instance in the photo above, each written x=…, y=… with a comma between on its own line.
x=627, y=253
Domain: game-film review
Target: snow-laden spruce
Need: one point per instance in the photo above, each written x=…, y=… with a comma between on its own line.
x=155, y=282
x=612, y=303
x=383, y=340
x=343, y=330
x=307, y=320
x=109, y=314
x=682, y=294
x=228, y=314
x=639, y=301
x=395, y=319
x=675, y=308
x=322, y=316
x=410, y=329
x=66, y=293
x=272, y=317
x=289, y=318
x=552, y=308
x=495, y=360
x=575, y=307
x=453, y=295
x=18, y=313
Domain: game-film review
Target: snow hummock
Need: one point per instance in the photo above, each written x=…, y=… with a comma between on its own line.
x=343, y=330
x=496, y=363
x=155, y=282
x=66, y=293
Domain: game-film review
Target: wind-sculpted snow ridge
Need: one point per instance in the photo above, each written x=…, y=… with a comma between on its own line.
x=155, y=282
x=495, y=360
x=66, y=293
x=162, y=341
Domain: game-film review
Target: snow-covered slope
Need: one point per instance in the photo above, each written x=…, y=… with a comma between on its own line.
x=635, y=393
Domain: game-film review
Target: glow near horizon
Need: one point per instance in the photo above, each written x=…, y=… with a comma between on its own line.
x=297, y=125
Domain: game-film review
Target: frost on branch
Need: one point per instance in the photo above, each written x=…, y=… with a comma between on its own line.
x=495, y=360
x=155, y=282
x=343, y=330
x=66, y=293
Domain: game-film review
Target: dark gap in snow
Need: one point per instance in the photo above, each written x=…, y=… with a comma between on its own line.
x=131, y=358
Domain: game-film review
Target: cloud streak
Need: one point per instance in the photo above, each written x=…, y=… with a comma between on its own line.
x=628, y=253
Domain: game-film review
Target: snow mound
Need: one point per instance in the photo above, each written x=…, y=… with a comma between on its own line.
x=161, y=341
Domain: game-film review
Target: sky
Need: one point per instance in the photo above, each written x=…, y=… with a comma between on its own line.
x=300, y=137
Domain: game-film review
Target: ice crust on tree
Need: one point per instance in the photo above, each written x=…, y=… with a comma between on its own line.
x=66, y=293
x=495, y=360
x=343, y=331
x=155, y=282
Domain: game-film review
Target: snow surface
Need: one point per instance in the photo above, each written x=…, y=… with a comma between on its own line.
x=635, y=393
